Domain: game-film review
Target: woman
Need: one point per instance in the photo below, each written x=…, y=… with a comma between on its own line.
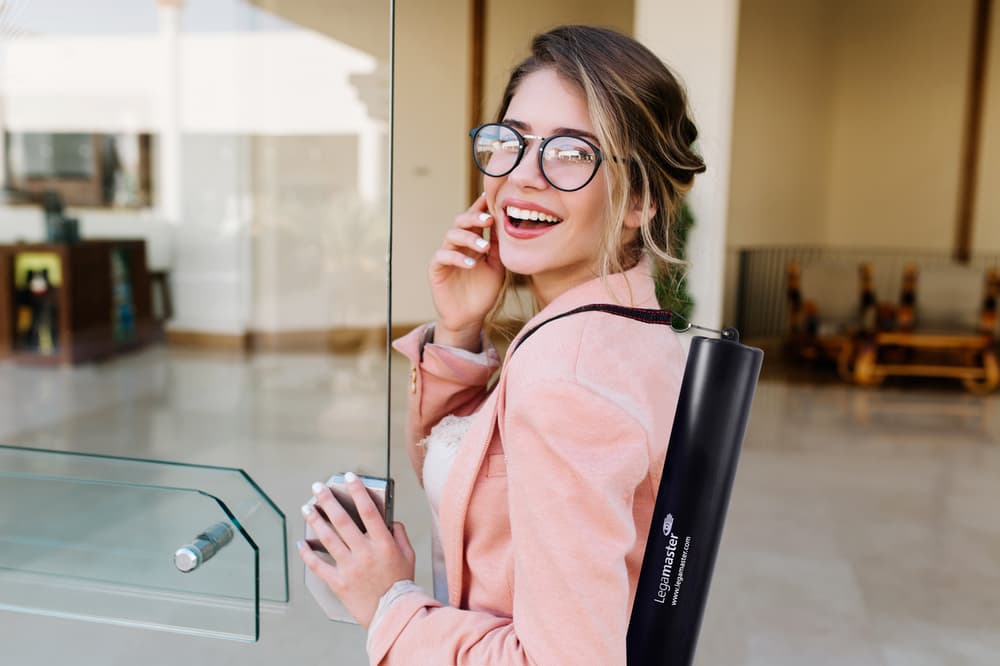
x=542, y=488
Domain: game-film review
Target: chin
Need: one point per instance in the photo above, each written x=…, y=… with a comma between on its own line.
x=521, y=263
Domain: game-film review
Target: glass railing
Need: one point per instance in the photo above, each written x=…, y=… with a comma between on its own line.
x=183, y=548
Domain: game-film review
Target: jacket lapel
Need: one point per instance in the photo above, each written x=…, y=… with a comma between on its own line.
x=634, y=287
x=458, y=490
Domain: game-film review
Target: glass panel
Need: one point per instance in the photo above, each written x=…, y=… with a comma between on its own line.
x=233, y=488
x=247, y=146
x=114, y=552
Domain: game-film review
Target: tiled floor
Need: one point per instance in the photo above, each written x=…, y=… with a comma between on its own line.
x=863, y=527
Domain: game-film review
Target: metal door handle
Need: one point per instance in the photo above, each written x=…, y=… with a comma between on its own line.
x=203, y=548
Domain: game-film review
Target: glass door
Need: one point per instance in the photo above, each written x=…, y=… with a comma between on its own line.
x=211, y=179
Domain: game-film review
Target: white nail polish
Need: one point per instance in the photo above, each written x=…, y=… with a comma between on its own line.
x=484, y=216
x=481, y=243
x=350, y=477
x=469, y=261
x=306, y=509
x=317, y=488
x=299, y=545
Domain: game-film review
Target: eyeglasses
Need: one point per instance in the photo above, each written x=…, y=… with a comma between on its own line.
x=567, y=162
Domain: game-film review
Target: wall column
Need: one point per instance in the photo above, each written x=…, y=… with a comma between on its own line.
x=168, y=186
x=697, y=40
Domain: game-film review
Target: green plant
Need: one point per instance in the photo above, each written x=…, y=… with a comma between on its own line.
x=671, y=286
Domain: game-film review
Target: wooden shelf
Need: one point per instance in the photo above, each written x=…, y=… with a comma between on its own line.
x=84, y=301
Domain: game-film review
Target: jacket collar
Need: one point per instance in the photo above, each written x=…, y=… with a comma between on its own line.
x=633, y=288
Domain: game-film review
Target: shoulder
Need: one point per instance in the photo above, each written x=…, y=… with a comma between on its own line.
x=612, y=355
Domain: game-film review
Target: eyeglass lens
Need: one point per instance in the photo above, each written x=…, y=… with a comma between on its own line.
x=568, y=162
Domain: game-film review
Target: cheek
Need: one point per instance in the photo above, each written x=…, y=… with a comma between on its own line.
x=592, y=211
x=492, y=187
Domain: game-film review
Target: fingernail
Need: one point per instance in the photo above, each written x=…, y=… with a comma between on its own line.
x=481, y=243
x=483, y=193
x=317, y=488
x=300, y=545
x=469, y=261
x=350, y=477
x=306, y=509
x=484, y=216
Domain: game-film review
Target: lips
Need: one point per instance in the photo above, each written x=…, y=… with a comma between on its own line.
x=526, y=220
x=524, y=232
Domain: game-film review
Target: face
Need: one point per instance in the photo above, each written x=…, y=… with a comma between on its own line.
x=555, y=256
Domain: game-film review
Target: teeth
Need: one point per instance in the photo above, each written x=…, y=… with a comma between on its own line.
x=533, y=215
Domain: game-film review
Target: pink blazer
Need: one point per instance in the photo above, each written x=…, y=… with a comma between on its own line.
x=547, y=506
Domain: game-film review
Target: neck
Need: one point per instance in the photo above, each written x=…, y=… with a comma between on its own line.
x=545, y=288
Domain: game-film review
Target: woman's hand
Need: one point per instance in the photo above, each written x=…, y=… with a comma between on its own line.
x=466, y=276
x=367, y=563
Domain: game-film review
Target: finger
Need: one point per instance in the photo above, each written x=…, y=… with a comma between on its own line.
x=403, y=541
x=330, y=540
x=473, y=219
x=370, y=515
x=493, y=252
x=460, y=238
x=480, y=204
x=338, y=516
x=455, y=258
x=325, y=571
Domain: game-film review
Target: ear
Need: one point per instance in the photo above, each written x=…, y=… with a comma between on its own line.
x=635, y=218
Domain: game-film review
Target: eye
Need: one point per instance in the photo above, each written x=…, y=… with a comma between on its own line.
x=572, y=156
x=569, y=151
x=509, y=146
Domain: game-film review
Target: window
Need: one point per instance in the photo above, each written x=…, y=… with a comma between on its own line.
x=96, y=170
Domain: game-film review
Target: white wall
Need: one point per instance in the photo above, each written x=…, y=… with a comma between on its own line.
x=698, y=41
x=27, y=224
x=287, y=82
x=211, y=273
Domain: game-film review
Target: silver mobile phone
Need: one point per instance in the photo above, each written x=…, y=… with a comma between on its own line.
x=381, y=491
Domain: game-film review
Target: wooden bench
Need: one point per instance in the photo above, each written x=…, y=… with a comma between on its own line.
x=826, y=305
x=947, y=328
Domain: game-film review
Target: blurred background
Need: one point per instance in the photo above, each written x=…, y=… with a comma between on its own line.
x=196, y=204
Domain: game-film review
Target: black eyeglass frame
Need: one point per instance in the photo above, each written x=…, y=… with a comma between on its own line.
x=522, y=141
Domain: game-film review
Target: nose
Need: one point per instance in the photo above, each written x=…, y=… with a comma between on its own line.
x=528, y=173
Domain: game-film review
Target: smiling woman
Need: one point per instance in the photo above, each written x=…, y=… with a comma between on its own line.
x=559, y=458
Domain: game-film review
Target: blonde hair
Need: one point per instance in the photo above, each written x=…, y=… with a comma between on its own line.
x=640, y=114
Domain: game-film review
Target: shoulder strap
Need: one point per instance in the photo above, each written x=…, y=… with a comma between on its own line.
x=647, y=315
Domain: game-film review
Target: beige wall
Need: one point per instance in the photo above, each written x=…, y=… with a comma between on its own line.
x=986, y=236
x=431, y=163
x=782, y=123
x=900, y=93
x=510, y=26
x=862, y=105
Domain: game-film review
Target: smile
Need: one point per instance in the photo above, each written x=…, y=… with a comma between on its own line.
x=519, y=216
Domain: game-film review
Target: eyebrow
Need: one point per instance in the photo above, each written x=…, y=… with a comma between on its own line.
x=525, y=127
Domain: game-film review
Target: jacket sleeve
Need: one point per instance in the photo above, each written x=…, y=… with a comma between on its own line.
x=573, y=474
x=441, y=383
